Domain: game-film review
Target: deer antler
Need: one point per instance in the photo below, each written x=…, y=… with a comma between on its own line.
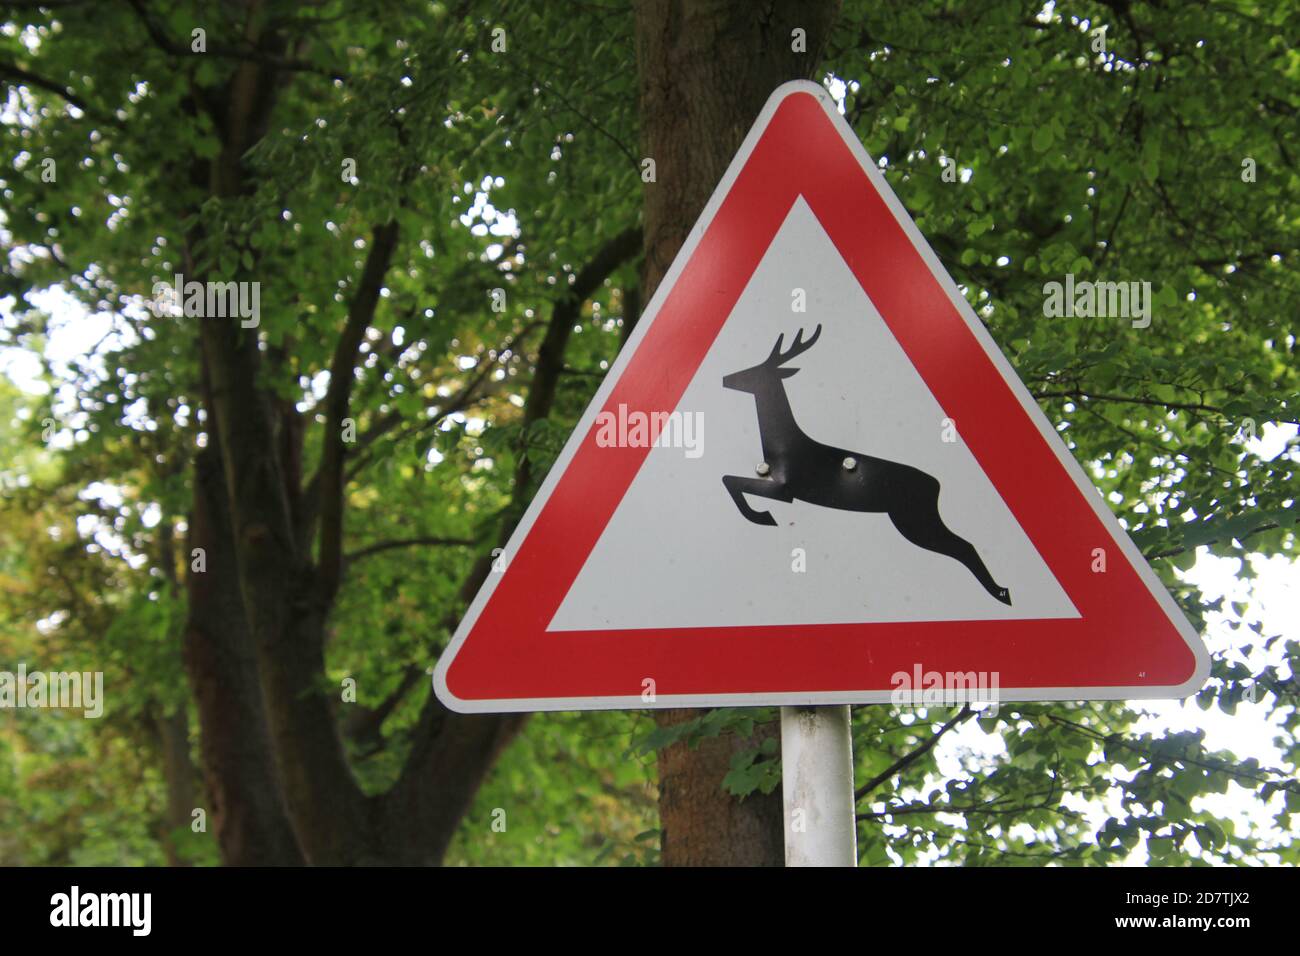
x=797, y=347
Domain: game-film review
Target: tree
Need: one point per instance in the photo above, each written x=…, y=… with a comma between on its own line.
x=281, y=412
x=440, y=204
x=705, y=69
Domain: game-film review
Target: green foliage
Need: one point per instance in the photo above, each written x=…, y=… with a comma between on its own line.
x=569, y=793
x=508, y=171
x=1126, y=166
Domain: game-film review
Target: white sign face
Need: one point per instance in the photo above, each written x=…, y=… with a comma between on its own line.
x=678, y=553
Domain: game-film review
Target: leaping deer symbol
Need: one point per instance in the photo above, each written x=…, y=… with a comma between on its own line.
x=795, y=467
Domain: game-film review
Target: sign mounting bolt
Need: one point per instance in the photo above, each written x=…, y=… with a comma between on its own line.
x=850, y=464
x=763, y=469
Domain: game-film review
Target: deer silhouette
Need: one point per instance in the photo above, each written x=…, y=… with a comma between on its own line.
x=796, y=467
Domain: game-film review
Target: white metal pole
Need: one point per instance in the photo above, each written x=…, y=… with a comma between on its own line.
x=817, y=782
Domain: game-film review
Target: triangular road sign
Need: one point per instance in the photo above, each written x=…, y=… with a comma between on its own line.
x=811, y=477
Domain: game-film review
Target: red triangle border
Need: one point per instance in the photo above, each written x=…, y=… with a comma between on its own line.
x=1131, y=640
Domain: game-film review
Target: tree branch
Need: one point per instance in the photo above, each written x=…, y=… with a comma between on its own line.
x=550, y=357
x=467, y=396
x=250, y=53
x=441, y=738
x=459, y=402
x=360, y=314
x=16, y=73
x=1131, y=400
x=364, y=724
x=381, y=546
x=991, y=808
x=907, y=760
x=1280, y=781
x=1268, y=526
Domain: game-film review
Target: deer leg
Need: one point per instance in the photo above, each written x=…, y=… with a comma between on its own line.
x=738, y=487
x=925, y=529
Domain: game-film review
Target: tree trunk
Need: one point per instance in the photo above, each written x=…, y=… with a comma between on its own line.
x=171, y=725
x=246, y=809
x=277, y=771
x=700, y=823
x=706, y=67
x=173, y=733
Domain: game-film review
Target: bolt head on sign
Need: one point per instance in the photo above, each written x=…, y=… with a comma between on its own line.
x=656, y=550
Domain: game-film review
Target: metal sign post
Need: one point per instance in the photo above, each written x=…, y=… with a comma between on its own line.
x=817, y=783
